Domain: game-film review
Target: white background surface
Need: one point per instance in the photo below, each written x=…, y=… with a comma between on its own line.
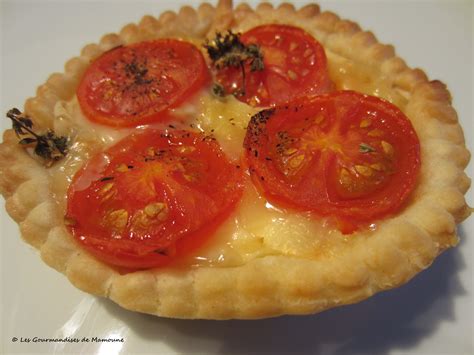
x=433, y=314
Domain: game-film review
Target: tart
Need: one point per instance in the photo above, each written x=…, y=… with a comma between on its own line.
x=265, y=257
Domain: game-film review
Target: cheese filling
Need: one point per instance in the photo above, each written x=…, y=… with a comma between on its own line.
x=255, y=228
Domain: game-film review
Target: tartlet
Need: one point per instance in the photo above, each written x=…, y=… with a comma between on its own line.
x=287, y=277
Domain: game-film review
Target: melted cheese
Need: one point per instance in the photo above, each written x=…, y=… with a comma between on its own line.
x=227, y=120
x=349, y=75
x=256, y=228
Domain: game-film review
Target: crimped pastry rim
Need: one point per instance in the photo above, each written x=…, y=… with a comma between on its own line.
x=294, y=285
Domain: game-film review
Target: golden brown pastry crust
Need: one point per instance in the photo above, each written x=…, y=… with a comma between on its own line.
x=272, y=285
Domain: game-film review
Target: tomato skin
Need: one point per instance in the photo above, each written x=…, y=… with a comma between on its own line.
x=124, y=257
x=135, y=84
x=139, y=203
x=344, y=154
x=295, y=66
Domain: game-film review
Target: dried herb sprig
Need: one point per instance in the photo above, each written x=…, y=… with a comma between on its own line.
x=365, y=148
x=226, y=50
x=48, y=146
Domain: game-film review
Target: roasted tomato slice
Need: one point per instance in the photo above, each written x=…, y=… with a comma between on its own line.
x=152, y=197
x=348, y=155
x=133, y=85
x=294, y=66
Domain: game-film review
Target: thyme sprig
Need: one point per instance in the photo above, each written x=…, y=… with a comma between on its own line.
x=226, y=50
x=48, y=146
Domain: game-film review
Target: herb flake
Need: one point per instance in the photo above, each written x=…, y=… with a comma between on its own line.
x=47, y=146
x=365, y=148
x=218, y=90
